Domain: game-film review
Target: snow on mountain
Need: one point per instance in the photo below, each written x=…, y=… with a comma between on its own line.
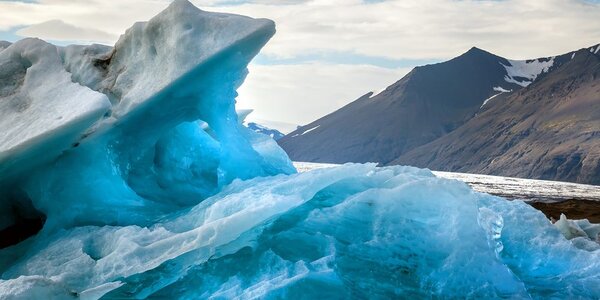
x=501, y=89
x=427, y=104
x=434, y=98
x=282, y=127
x=306, y=131
x=273, y=133
x=547, y=130
x=497, y=89
x=524, y=72
x=243, y=114
x=488, y=99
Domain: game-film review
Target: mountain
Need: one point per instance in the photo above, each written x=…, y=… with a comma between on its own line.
x=549, y=130
x=4, y=45
x=273, y=133
x=428, y=103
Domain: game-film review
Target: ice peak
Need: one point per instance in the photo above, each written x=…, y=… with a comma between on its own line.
x=181, y=5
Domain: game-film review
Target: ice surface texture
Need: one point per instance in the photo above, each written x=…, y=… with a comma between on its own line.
x=152, y=188
x=134, y=147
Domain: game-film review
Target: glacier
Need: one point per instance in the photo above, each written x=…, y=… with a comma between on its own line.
x=149, y=186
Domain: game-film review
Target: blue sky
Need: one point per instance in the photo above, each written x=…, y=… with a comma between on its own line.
x=327, y=53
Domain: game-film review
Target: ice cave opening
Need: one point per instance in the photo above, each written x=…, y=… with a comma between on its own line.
x=23, y=219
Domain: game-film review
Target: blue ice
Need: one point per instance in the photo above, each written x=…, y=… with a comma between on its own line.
x=157, y=190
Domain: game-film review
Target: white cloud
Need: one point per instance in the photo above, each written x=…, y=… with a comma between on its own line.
x=395, y=29
x=112, y=17
x=58, y=30
x=300, y=94
x=425, y=29
x=417, y=29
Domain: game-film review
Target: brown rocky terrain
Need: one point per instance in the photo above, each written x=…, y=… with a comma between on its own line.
x=549, y=130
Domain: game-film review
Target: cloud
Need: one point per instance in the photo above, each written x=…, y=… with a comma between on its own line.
x=393, y=29
x=58, y=30
x=428, y=29
x=112, y=17
x=302, y=93
x=329, y=52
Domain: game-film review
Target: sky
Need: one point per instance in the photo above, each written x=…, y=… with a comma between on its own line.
x=327, y=53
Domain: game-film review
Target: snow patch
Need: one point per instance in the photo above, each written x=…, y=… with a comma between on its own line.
x=258, y=128
x=499, y=89
x=282, y=127
x=375, y=93
x=524, y=72
x=307, y=131
x=488, y=99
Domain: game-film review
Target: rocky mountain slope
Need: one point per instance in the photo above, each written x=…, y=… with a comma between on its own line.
x=550, y=130
x=475, y=113
x=426, y=104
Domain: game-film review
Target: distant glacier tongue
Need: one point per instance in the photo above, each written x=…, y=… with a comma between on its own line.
x=151, y=187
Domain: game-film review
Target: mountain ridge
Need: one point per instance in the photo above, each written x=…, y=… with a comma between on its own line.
x=549, y=131
x=427, y=104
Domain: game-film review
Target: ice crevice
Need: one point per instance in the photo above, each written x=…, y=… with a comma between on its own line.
x=150, y=186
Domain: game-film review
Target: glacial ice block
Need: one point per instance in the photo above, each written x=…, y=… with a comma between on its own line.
x=151, y=55
x=4, y=45
x=167, y=195
x=355, y=231
x=163, y=133
x=42, y=112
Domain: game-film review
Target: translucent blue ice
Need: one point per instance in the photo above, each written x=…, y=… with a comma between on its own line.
x=169, y=196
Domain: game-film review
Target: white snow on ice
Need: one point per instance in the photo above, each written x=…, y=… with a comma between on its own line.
x=39, y=104
x=577, y=228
